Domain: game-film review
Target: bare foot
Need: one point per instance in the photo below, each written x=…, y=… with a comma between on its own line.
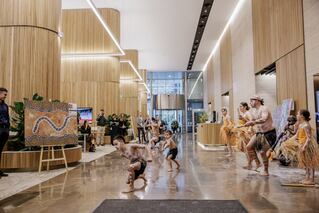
x=229, y=155
x=265, y=174
x=303, y=181
x=170, y=170
x=248, y=167
x=309, y=182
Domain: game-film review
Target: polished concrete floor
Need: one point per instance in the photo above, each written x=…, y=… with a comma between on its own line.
x=203, y=175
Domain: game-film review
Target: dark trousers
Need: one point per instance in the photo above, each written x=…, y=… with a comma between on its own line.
x=139, y=131
x=4, y=135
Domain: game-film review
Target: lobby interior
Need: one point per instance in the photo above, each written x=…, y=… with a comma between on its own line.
x=176, y=60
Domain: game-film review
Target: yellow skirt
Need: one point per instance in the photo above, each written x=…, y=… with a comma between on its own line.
x=241, y=137
x=310, y=157
x=226, y=134
x=290, y=149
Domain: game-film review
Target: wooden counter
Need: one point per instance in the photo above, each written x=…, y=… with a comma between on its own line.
x=208, y=134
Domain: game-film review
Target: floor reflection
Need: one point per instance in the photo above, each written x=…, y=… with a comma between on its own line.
x=203, y=175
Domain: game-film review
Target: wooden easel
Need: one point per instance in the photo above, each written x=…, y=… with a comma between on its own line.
x=48, y=160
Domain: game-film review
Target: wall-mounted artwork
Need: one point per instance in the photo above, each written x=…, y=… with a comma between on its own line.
x=49, y=123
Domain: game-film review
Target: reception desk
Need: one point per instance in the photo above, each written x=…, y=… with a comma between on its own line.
x=208, y=133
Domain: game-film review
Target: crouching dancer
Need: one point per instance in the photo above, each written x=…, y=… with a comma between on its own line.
x=171, y=155
x=134, y=153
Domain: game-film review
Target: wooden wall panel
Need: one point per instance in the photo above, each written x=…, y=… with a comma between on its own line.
x=226, y=62
x=91, y=83
x=91, y=69
x=311, y=32
x=98, y=95
x=30, y=159
x=83, y=33
x=40, y=13
x=30, y=62
x=291, y=78
x=277, y=29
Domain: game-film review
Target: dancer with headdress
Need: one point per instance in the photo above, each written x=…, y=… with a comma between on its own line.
x=265, y=135
x=226, y=130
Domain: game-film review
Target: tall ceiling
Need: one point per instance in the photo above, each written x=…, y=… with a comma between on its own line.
x=163, y=31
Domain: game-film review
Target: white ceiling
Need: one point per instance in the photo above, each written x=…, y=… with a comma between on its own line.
x=163, y=31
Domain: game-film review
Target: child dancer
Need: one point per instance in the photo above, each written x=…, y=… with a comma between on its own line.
x=226, y=130
x=308, y=155
x=134, y=153
x=171, y=155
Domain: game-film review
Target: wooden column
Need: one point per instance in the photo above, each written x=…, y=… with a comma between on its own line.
x=129, y=85
x=90, y=81
x=30, y=48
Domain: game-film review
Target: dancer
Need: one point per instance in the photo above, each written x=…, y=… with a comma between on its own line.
x=155, y=133
x=134, y=153
x=171, y=155
x=308, y=154
x=243, y=134
x=265, y=136
x=226, y=130
x=285, y=149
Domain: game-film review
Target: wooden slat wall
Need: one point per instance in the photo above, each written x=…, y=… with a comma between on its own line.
x=29, y=48
x=311, y=23
x=142, y=95
x=129, y=89
x=30, y=160
x=90, y=82
x=39, y=13
x=277, y=29
x=291, y=78
x=226, y=62
x=83, y=33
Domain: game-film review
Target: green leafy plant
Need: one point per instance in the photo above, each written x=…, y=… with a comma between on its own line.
x=16, y=143
x=203, y=118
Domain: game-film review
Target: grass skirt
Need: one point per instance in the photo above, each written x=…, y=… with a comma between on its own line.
x=290, y=149
x=310, y=157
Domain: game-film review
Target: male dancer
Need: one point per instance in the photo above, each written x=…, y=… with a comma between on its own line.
x=265, y=135
x=134, y=153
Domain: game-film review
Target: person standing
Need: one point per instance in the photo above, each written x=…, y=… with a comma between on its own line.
x=101, y=123
x=265, y=135
x=4, y=123
x=140, y=128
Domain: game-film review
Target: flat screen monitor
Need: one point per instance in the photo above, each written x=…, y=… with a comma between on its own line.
x=86, y=113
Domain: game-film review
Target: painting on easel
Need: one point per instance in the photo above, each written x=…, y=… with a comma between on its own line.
x=49, y=123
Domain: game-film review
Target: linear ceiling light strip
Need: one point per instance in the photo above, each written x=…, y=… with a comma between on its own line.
x=89, y=55
x=136, y=72
x=105, y=26
x=235, y=12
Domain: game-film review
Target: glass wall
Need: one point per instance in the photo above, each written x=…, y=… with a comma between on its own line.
x=175, y=83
